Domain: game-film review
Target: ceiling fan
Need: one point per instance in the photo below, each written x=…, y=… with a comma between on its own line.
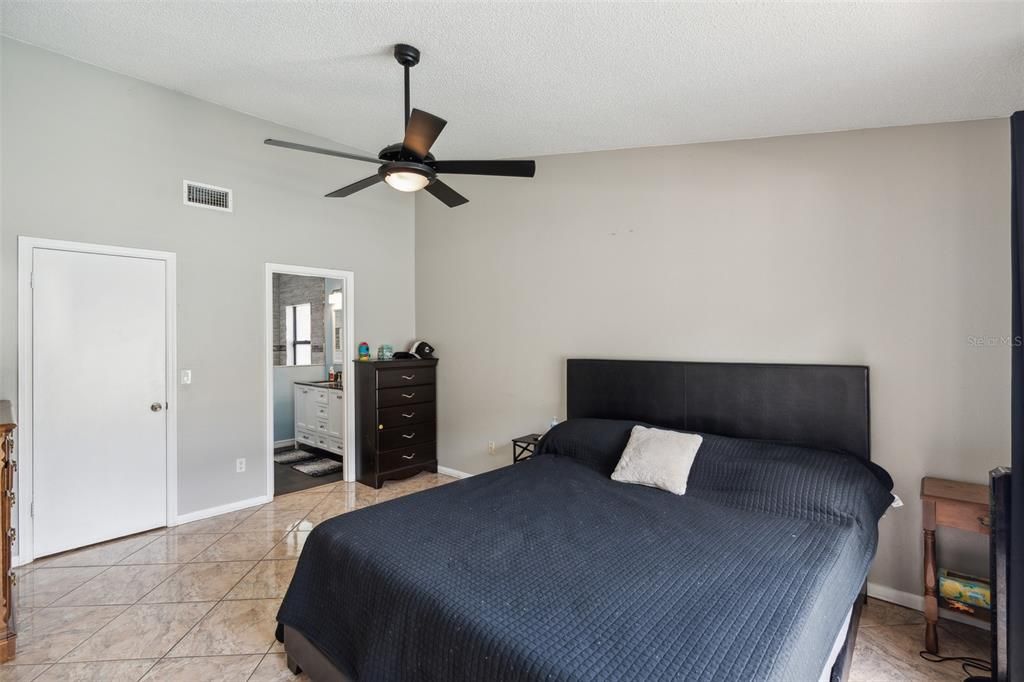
x=409, y=166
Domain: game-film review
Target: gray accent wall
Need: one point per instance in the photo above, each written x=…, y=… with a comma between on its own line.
x=93, y=156
x=886, y=247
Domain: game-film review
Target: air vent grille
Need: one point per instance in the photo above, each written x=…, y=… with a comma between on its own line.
x=206, y=196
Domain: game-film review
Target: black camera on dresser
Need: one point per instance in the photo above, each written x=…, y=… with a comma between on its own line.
x=396, y=419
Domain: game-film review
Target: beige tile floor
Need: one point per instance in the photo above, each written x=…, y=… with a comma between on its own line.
x=890, y=638
x=197, y=602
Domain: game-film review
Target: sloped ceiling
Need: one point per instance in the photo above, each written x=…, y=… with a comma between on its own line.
x=516, y=79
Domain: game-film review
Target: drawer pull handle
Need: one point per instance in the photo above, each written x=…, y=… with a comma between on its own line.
x=409, y=435
x=984, y=522
x=409, y=378
x=409, y=416
x=413, y=455
x=409, y=395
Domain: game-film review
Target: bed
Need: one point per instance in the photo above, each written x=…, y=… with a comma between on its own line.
x=549, y=570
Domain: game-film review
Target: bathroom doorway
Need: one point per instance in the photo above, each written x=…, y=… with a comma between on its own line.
x=309, y=332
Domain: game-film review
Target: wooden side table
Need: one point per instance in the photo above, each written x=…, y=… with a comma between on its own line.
x=948, y=504
x=523, y=447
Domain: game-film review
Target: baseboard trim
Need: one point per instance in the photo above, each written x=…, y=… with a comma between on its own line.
x=454, y=473
x=222, y=509
x=286, y=443
x=916, y=602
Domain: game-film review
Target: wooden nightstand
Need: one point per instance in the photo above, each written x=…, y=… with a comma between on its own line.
x=949, y=504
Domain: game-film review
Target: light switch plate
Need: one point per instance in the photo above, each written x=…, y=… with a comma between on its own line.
x=186, y=376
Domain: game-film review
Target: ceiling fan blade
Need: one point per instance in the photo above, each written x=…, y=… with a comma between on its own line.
x=355, y=186
x=319, y=150
x=446, y=194
x=518, y=169
x=421, y=132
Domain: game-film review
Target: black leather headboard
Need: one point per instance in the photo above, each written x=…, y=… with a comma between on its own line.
x=819, y=406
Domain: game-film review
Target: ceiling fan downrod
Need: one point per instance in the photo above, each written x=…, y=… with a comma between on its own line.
x=408, y=56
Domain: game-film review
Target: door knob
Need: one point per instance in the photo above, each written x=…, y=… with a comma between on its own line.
x=156, y=407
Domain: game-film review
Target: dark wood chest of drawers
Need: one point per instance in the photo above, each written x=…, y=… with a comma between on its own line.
x=396, y=419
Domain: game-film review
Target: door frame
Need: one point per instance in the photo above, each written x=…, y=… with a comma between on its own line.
x=26, y=550
x=347, y=276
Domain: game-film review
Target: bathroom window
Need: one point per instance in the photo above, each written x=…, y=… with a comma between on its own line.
x=298, y=334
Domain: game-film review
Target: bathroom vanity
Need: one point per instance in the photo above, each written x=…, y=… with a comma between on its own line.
x=320, y=416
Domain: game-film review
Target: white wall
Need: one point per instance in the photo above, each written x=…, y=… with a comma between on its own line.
x=882, y=247
x=92, y=156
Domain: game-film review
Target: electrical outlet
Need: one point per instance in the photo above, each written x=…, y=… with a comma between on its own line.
x=240, y=465
x=186, y=376
x=490, y=447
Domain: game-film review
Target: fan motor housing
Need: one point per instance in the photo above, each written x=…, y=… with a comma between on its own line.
x=393, y=152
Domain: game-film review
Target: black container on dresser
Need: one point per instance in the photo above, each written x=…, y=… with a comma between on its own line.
x=396, y=419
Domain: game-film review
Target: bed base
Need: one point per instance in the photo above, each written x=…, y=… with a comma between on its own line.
x=841, y=668
x=304, y=656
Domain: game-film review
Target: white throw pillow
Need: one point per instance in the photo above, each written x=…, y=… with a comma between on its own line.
x=658, y=458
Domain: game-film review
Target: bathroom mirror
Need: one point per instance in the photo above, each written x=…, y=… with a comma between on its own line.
x=338, y=336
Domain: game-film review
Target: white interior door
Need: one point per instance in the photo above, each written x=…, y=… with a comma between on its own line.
x=99, y=425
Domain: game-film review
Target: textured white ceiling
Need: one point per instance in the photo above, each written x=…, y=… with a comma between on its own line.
x=530, y=79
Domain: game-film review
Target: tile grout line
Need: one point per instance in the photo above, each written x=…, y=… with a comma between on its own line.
x=210, y=610
x=194, y=626
x=51, y=603
x=262, y=658
x=269, y=552
x=180, y=566
x=215, y=605
x=129, y=605
x=146, y=671
x=93, y=633
x=119, y=614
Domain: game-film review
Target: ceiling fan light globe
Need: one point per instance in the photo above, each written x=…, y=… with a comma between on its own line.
x=407, y=181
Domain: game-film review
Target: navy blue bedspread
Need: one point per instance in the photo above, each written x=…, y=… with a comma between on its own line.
x=549, y=570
